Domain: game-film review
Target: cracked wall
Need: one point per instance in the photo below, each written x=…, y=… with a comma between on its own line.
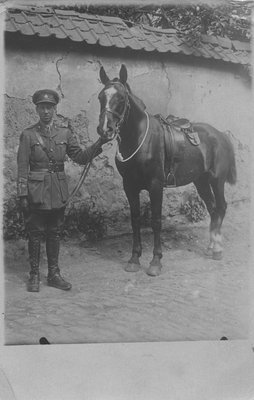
x=217, y=96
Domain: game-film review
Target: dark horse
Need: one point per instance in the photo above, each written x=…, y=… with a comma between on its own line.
x=141, y=160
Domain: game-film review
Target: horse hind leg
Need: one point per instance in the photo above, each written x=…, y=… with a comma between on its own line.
x=205, y=192
x=217, y=217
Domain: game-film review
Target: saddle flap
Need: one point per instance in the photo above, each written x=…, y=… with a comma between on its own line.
x=174, y=143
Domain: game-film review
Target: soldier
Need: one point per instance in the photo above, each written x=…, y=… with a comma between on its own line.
x=42, y=184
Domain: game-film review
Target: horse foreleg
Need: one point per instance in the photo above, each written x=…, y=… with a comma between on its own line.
x=133, y=264
x=156, y=194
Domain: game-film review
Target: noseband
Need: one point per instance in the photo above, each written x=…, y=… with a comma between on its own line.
x=125, y=112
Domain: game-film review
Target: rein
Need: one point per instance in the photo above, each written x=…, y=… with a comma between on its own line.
x=83, y=175
x=119, y=155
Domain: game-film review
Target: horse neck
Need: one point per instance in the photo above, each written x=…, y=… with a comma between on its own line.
x=130, y=129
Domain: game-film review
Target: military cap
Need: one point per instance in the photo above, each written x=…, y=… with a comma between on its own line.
x=45, y=96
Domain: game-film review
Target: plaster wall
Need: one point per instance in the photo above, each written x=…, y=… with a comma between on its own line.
x=195, y=89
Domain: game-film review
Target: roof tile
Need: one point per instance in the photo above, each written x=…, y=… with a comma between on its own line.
x=241, y=45
x=26, y=29
x=83, y=25
x=34, y=19
x=42, y=30
x=224, y=42
x=106, y=41
x=10, y=26
x=89, y=36
x=20, y=18
x=59, y=32
x=97, y=27
x=113, y=32
x=52, y=21
x=118, y=42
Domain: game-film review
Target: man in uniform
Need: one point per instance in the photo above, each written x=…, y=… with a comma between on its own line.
x=42, y=185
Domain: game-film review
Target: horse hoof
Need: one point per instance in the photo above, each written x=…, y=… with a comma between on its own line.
x=131, y=267
x=217, y=255
x=154, y=270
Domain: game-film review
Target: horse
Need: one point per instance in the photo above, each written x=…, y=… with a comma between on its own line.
x=141, y=160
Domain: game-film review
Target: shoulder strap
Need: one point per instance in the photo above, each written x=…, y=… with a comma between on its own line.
x=44, y=148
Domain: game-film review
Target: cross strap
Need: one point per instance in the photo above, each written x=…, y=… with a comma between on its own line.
x=51, y=158
x=46, y=151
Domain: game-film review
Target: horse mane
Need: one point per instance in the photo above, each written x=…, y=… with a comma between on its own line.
x=136, y=100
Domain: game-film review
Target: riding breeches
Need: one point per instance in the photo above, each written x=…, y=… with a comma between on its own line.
x=45, y=223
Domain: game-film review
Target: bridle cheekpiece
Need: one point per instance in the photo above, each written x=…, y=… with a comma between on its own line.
x=125, y=111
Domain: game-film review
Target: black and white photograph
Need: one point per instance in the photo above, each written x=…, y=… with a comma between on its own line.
x=127, y=170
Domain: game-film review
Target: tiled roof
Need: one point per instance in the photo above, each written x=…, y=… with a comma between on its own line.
x=113, y=32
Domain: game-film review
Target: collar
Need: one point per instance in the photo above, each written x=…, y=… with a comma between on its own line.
x=47, y=130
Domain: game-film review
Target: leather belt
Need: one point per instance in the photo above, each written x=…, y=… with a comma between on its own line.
x=51, y=169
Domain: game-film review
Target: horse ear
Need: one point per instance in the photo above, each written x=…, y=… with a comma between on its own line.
x=123, y=74
x=103, y=76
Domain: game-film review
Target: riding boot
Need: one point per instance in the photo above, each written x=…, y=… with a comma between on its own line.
x=54, y=277
x=34, y=246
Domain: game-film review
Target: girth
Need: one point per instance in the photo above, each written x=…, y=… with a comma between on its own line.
x=174, y=149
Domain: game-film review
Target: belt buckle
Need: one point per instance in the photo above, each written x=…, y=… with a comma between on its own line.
x=52, y=168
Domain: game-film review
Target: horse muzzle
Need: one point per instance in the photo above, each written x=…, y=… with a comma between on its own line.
x=108, y=134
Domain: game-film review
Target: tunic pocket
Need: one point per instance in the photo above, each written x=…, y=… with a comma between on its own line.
x=36, y=187
x=60, y=185
x=61, y=146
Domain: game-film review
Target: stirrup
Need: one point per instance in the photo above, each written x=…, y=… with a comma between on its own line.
x=172, y=183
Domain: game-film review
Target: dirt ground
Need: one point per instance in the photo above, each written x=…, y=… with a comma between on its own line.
x=195, y=297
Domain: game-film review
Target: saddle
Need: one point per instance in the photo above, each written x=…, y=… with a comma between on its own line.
x=176, y=131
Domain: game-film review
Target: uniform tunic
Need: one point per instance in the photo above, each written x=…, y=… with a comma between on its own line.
x=46, y=190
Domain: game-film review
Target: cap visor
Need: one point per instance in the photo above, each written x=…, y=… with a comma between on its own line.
x=46, y=101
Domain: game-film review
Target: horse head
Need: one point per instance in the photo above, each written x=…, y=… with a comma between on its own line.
x=116, y=101
x=114, y=104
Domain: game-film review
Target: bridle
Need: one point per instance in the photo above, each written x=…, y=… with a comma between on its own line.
x=121, y=118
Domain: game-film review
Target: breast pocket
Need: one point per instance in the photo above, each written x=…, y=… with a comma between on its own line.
x=37, y=153
x=60, y=152
x=36, y=187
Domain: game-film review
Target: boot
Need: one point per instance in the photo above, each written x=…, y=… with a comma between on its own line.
x=34, y=246
x=54, y=277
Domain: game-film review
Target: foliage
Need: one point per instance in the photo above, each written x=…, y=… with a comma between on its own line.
x=86, y=219
x=194, y=209
x=13, y=221
x=82, y=218
x=231, y=20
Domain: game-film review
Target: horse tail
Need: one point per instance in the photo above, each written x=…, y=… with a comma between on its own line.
x=231, y=175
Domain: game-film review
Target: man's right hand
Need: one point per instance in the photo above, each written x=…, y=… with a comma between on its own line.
x=24, y=204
